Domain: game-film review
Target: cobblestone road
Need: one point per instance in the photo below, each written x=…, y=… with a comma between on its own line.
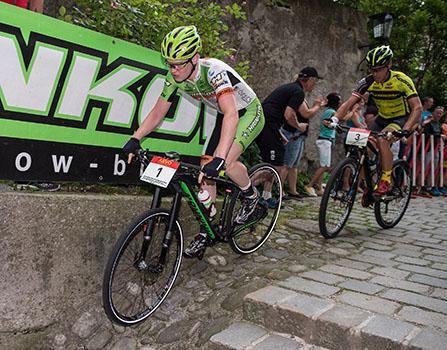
x=399, y=275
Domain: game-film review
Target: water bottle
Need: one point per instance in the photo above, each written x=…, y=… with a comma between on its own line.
x=205, y=199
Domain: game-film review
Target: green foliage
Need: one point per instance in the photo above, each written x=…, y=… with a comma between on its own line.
x=418, y=39
x=145, y=22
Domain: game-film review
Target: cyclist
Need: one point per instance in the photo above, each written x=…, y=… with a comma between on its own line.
x=398, y=104
x=239, y=117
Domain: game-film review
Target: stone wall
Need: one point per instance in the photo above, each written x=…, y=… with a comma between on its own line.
x=278, y=42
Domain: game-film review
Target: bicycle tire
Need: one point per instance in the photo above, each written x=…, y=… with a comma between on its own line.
x=401, y=179
x=334, y=197
x=132, y=290
x=249, y=237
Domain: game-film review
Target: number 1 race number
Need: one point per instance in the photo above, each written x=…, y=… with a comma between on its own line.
x=160, y=171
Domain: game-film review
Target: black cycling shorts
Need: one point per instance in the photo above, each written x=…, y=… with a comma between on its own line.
x=271, y=146
x=381, y=123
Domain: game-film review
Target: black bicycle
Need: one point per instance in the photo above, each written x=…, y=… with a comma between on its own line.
x=145, y=261
x=342, y=186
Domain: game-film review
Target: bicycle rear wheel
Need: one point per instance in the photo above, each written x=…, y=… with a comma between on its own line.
x=390, y=210
x=249, y=237
x=338, y=198
x=137, y=280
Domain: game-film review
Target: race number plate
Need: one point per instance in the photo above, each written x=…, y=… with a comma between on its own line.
x=357, y=137
x=160, y=171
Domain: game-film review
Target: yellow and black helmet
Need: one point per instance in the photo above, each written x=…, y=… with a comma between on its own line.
x=182, y=43
x=379, y=56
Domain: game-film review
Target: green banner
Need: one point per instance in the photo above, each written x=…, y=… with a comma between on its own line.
x=63, y=87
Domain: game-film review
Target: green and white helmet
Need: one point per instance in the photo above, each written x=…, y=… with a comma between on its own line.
x=379, y=56
x=182, y=43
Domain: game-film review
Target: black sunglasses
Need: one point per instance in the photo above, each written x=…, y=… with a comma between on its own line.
x=177, y=65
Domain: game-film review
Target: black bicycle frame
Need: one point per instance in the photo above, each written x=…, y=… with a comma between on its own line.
x=363, y=160
x=183, y=187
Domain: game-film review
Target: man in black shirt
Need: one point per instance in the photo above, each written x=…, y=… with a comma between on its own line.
x=282, y=107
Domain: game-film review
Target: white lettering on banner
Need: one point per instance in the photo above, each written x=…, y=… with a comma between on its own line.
x=186, y=115
x=27, y=164
x=119, y=167
x=61, y=163
x=123, y=102
x=31, y=89
x=80, y=79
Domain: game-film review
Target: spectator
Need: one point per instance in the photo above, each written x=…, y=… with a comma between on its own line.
x=427, y=104
x=434, y=128
x=33, y=5
x=281, y=107
x=324, y=144
x=293, y=151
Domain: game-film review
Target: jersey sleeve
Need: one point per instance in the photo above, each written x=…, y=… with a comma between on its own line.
x=407, y=86
x=363, y=86
x=169, y=89
x=220, y=82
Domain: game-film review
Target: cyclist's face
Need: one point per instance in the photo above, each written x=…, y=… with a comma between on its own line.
x=380, y=73
x=180, y=70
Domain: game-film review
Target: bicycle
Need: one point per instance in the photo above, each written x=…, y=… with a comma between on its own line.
x=146, y=259
x=342, y=186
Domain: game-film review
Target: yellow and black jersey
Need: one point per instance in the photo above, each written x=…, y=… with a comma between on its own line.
x=392, y=96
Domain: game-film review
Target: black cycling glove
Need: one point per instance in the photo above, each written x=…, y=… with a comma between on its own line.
x=213, y=168
x=131, y=146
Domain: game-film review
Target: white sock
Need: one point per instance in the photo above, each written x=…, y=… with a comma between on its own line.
x=266, y=195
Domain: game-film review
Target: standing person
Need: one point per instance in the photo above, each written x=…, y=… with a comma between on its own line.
x=398, y=104
x=325, y=141
x=434, y=128
x=427, y=104
x=282, y=107
x=238, y=122
x=33, y=5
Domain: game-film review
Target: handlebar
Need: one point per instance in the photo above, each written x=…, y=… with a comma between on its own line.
x=144, y=157
x=396, y=133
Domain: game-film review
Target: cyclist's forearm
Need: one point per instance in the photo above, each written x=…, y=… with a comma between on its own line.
x=342, y=111
x=227, y=134
x=146, y=128
x=414, y=119
x=153, y=119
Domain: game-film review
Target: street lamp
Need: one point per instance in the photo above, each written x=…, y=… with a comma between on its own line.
x=382, y=25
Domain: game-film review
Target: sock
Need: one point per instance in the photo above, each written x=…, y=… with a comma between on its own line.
x=266, y=195
x=386, y=176
x=248, y=190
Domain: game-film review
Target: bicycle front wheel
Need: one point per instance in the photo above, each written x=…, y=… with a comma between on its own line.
x=390, y=210
x=250, y=236
x=338, y=198
x=140, y=272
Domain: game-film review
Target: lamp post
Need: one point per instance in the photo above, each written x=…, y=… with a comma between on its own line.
x=382, y=23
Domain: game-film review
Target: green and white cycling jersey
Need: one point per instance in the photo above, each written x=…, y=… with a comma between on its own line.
x=215, y=78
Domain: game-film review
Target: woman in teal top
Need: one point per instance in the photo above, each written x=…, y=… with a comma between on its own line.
x=324, y=144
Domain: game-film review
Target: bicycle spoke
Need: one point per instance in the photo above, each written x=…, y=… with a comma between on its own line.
x=138, y=286
x=390, y=210
x=251, y=236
